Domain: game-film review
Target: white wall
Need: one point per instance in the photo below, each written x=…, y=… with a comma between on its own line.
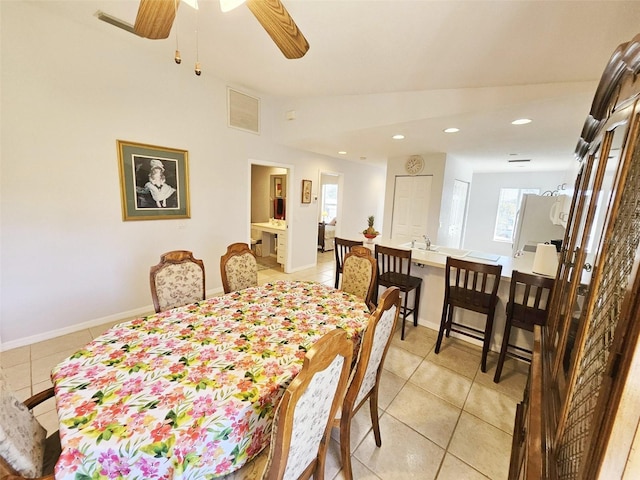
x=67, y=258
x=483, y=204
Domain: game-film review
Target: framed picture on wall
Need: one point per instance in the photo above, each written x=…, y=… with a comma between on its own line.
x=306, y=191
x=154, y=181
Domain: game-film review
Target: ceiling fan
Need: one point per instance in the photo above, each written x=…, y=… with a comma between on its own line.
x=155, y=19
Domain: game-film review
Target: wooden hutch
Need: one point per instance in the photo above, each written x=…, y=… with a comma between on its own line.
x=581, y=409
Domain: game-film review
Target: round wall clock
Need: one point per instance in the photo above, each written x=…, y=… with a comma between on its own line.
x=414, y=164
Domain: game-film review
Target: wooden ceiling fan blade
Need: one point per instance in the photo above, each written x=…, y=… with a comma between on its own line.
x=280, y=26
x=155, y=18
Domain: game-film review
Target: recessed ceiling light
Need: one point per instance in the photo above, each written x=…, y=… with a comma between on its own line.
x=451, y=130
x=398, y=137
x=521, y=121
x=342, y=152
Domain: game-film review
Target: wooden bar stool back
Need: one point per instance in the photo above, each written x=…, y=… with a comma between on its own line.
x=342, y=247
x=394, y=267
x=472, y=286
x=529, y=299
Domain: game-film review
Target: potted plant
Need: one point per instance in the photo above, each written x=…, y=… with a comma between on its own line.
x=370, y=232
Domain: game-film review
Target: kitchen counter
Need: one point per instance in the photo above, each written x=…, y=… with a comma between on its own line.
x=430, y=266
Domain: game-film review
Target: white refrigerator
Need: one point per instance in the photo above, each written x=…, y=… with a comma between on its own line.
x=534, y=222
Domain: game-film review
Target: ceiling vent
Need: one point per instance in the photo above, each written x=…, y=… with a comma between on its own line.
x=522, y=160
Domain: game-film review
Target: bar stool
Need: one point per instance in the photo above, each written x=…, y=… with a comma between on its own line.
x=342, y=247
x=472, y=286
x=394, y=265
x=529, y=299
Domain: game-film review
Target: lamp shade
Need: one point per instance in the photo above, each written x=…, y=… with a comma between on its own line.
x=545, y=261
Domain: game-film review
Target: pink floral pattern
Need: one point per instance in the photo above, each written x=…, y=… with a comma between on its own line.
x=191, y=392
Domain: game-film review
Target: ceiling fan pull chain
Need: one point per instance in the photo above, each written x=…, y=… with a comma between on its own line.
x=177, y=57
x=198, y=70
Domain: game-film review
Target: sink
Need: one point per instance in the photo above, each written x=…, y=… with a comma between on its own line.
x=448, y=251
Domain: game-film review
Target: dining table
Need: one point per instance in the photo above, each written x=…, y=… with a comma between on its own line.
x=190, y=393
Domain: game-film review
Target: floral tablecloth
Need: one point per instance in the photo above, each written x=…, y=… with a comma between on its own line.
x=190, y=393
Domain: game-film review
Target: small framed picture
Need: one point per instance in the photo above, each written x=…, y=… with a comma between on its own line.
x=154, y=181
x=306, y=191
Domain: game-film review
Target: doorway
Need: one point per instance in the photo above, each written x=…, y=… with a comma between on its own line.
x=329, y=212
x=269, y=214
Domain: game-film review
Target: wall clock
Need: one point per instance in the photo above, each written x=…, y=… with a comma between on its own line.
x=414, y=164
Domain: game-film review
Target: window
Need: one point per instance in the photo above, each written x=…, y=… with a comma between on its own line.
x=508, y=206
x=329, y=201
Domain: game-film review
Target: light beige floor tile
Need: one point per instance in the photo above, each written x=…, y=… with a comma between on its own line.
x=400, y=362
x=360, y=427
x=74, y=340
x=512, y=381
x=424, y=412
x=45, y=407
x=492, y=406
x=445, y=383
x=459, y=360
x=358, y=471
x=18, y=376
x=405, y=454
x=332, y=462
x=418, y=340
x=390, y=385
x=455, y=469
x=15, y=356
x=49, y=421
x=483, y=446
x=41, y=367
x=22, y=394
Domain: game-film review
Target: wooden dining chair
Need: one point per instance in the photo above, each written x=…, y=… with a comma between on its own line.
x=177, y=280
x=359, y=272
x=367, y=371
x=342, y=247
x=25, y=450
x=529, y=299
x=238, y=268
x=471, y=286
x=394, y=267
x=302, y=423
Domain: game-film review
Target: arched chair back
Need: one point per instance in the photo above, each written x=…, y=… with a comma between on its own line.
x=25, y=450
x=177, y=280
x=303, y=419
x=238, y=268
x=359, y=271
x=367, y=371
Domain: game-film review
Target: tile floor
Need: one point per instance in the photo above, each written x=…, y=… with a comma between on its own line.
x=440, y=416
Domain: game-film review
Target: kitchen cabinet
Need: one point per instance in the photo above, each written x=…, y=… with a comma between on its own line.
x=579, y=415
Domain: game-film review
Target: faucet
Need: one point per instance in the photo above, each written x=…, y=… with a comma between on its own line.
x=427, y=242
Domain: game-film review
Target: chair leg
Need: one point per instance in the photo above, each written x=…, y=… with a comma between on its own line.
x=337, y=277
x=345, y=445
x=503, y=350
x=416, y=306
x=487, y=340
x=443, y=320
x=404, y=313
x=449, y=321
x=373, y=409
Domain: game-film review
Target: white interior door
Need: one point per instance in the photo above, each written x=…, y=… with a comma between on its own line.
x=410, y=216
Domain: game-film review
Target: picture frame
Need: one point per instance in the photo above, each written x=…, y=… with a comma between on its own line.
x=154, y=181
x=306, y=191
x=277, y=187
